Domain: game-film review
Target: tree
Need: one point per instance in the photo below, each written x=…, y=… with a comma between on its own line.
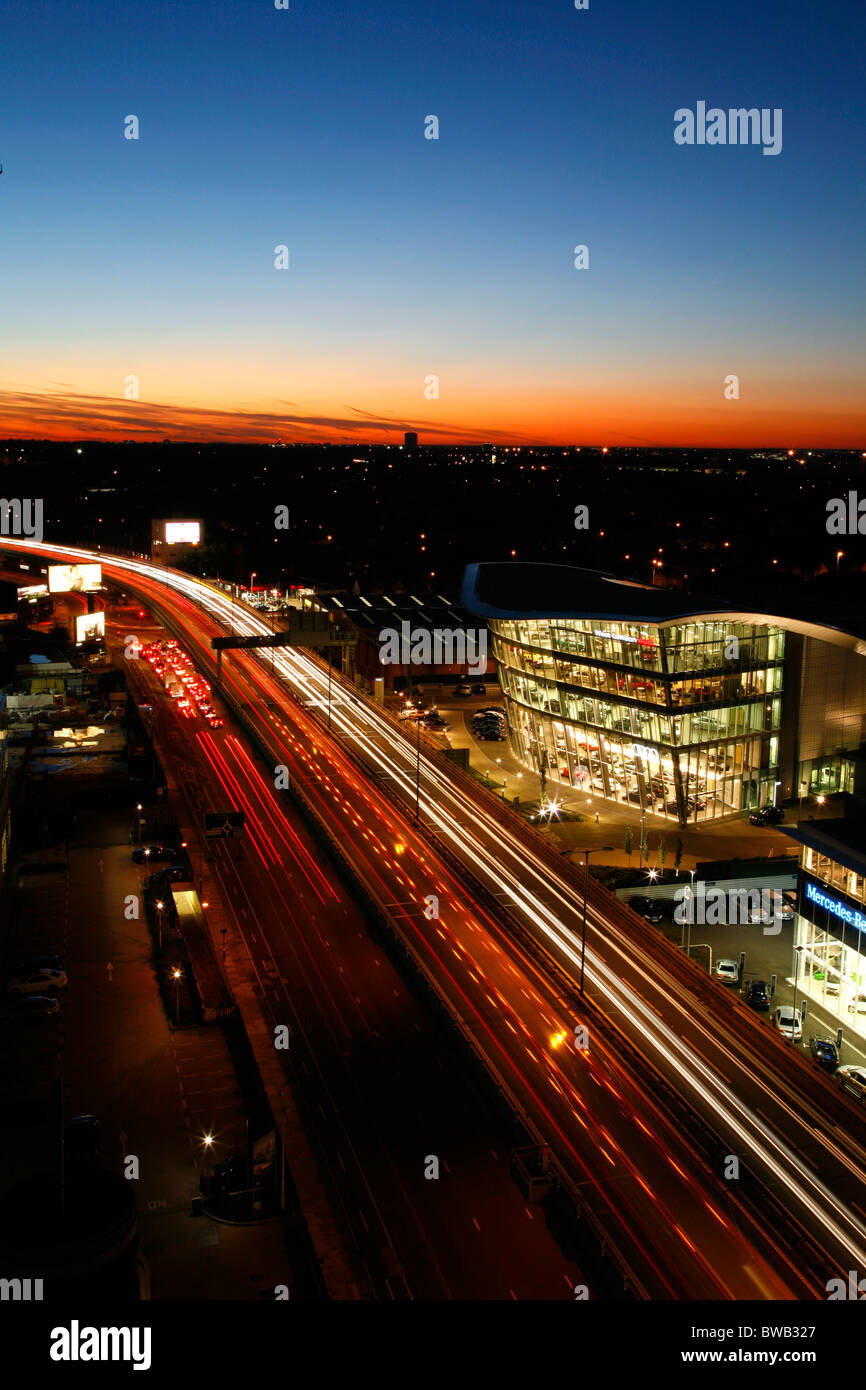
x=543, y=797
x=663, y=851
x=678, y=857
x=629, y=842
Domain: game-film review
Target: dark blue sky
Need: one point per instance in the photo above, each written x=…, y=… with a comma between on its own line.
x=410, y=257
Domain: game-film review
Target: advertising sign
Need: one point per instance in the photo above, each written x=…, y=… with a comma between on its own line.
x=182, y=532
x=89, y=627
x=74, y=579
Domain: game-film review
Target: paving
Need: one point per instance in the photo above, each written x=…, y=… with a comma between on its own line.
x=155, y=1090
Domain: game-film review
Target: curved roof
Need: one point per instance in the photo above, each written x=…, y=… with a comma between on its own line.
x=517, y=590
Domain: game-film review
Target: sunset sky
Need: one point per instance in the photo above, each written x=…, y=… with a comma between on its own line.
x=411, y=257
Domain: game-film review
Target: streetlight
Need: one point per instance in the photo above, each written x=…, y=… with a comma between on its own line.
x=586, y=853
x=252, y=577
x=159, y=924
x=802, y=793
x=798, y=949
x=207, y=1142
x=176, y=976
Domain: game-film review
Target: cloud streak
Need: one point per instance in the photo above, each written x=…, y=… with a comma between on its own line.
x=66, y=414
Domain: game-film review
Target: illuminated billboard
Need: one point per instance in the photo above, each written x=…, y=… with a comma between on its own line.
x=74, y=579
x=182, y=532
x=89, y=627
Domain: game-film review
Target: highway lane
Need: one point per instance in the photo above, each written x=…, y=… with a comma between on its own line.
x=689, y=1234
x=381, y=1083
x=394, y=757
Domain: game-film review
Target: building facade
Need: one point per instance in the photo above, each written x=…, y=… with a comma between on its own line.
x=688, y=709
x=683, y=719
x=829, y=962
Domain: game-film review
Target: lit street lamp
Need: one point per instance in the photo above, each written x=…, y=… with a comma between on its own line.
x=176, y=977
x=798, y=950
x=586, y=853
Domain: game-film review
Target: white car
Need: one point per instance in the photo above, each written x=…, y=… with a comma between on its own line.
x=788, y=1022
x=853, y=1079
x=728, y=971
x=37, y=982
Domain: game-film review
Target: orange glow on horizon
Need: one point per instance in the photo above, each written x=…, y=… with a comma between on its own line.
x=543, y=415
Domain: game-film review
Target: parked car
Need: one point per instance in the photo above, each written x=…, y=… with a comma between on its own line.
x=728, y=971
x=27, y=967
x=758, y=996
x=173, y=873
x=646, y=908
x=788, y=1022
x=767, y=815
x=479, y=689
x=463, y=690
x=231, y=1176
x=37, y=982
x=153, y=854
x=824, y=1052
x=34, y=1005
x=852, y=1078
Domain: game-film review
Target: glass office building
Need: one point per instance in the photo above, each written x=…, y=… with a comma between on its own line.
x=680, y=718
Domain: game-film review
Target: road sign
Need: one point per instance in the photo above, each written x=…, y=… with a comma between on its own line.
x=221, y=825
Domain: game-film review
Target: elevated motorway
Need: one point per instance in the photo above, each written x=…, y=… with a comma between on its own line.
x=689, y=1239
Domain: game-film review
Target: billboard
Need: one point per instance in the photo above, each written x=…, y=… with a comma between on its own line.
x=182, y=532
x=89, y=627
x=74, y=579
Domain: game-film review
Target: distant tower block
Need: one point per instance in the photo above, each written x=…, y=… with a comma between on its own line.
x=410, y=440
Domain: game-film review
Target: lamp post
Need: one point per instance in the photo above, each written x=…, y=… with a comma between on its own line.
x=802, y=793
x=586, y=853
x=252, y=577
x=176, y=977
x=159, y=925
x=798, y=950
x=207, y=1143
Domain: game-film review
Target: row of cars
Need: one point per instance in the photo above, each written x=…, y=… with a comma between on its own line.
x=187, y=688
x=178, y=867
x=34, y=985
x=489, y=724
x=428, y=717
x=789, y=1022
